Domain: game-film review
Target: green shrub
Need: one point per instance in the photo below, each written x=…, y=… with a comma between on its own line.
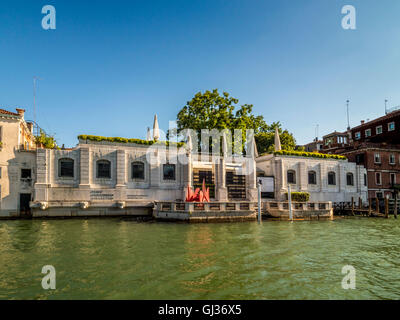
x=309, y=154
x=299, y=196
x=125, y=140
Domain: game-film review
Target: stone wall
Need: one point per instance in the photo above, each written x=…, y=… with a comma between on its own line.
x=277, y=166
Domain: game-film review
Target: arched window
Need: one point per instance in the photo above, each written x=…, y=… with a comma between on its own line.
x=66, y=167
x=312, y=177
x=331, y=178
x=291, y=176
x=350, y=179
x=138, y=170
x=103, y=169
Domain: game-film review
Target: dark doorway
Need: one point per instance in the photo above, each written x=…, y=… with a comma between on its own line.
x=24, y=199
x=236, y=185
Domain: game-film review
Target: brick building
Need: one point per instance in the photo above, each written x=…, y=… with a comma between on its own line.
x=376, y=145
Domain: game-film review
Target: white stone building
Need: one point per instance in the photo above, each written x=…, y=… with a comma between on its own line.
x=325, y=179
x=125, y=178
x=17, y=163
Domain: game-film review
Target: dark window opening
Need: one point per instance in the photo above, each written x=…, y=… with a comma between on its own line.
x=26, y=173
x=312, y=177
x=350, y=179
x=360, y=158
x=331, y=178
x=66, y=168
x=138, y=170
x=291, y=176
x=103, y=169
x=169, y=171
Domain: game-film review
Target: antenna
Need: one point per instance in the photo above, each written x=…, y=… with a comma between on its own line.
x=348, y=118
x=35, y=78
x=386, y=101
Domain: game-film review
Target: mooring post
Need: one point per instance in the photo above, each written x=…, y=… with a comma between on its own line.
x=386, y=208
x=259, y=200
x=377, y=205
x=360, y=204
x=290, y=203
x=352, y=206
x=369, y=207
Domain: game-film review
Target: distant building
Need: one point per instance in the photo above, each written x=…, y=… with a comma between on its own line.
x=17, y=163
x=374, y=144
x=315, y=146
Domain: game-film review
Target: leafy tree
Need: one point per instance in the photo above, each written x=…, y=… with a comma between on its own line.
x=210, y=110
x=266, y=140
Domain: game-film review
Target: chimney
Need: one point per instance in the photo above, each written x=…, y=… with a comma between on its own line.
x=21, y=112
x=362, y=121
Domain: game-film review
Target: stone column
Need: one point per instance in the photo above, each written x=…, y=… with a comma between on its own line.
x=120, y=187
x=84, y=167
x=279, y=178
x=222, y=191
x=155, y=169
x=42, y=175
x=252, y=179
x=187, y=174
x=121, y=168
x=303, y=176
x=342, y=178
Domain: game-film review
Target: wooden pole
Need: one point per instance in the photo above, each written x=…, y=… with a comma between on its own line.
x=352, y=206
x=360, y=205
x=369, y=207
x=386, y=208
x=377, y=205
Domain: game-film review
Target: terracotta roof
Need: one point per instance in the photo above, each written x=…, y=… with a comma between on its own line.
x=8, y=112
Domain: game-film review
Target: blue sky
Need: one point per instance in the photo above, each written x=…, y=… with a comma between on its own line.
x=111, y=65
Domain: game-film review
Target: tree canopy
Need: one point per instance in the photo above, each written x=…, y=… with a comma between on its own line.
x=211, y=110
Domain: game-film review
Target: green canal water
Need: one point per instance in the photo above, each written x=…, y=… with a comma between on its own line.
x=120, y=259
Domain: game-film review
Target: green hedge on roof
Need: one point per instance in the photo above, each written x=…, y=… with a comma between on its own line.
x=126, y=140
x=309, y=154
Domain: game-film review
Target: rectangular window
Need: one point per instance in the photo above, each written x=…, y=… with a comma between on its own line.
x=367, y=133
x=365, y=179
x=392, y=178
x=357, y=135
x=391, y=126
x=379, y=130
x=169, y=171
x=66, y=168
x=312, y=177
x=378, y=178
x=26, y=173
x=392, y=159
x=377, y=158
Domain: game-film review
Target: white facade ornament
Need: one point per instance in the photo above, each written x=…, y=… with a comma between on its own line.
x=156, y=129
x=277, y=142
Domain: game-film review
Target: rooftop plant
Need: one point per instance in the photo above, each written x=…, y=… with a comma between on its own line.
x=309, y=154
x=126, y=140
